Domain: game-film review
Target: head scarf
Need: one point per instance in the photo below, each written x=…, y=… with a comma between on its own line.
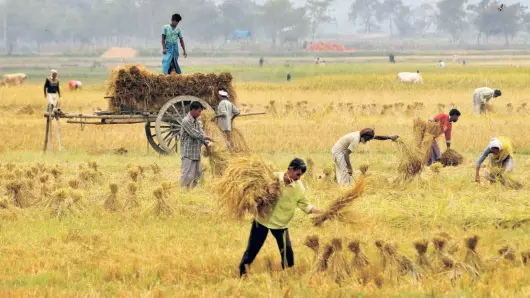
x=223, y=93
x=53, y=71
x=495, y=143
x=367, y=131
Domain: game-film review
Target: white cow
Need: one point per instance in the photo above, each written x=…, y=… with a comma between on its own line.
x=14, y=79
x=410, y=77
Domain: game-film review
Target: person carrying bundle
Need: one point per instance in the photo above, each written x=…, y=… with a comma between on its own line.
x=192, y=138
x=170, y=35
x=501, y=151
x=345, y=146
x=225, y=114
x=291, y=197
x=446, y=124
x=481, y=97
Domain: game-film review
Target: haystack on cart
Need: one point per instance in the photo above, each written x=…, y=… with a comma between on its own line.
x=162, y=116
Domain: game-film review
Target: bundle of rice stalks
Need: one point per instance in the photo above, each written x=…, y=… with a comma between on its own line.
x=89, y=175
x=360, y=260
x=421, y=247
x=134, y=87
x=65, y=202
x=134, y=173
x=455, y=270
x=210, y=126
x=156, y=169
x=507, y=179
x=392, y=267
x=337, y=206
x=472, y=257
x=247, y=186
x=237, y=139
x=411, y=163
x=425, y=132
x=323, y=261
x=380, y=244
x=29, y=174
x=4, y=202
x=161, y=206
x=132, y=199
x=17, y=195
x=74, y=183
x=43, y=179
x=451, y=158
x=507, y=253
x=339, y=268
x=93, y=165
x=525, y=257
x=218, y=159
x=111, y=203
x=56, y=173
x=313, y=243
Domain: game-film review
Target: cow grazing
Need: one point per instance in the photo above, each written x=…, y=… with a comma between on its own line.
x=410, y=77
x=14, y=79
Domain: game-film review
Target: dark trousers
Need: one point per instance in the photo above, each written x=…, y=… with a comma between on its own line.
x=258, y=234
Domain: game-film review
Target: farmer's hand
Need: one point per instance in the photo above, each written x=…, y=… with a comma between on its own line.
x=316, y=211
x=350, y=172
x=207, y=138
x=394, y=138
x=164, y=51
x=477, y=179
x=185, y=54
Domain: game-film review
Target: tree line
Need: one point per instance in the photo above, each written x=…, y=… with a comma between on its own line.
x=280, y=21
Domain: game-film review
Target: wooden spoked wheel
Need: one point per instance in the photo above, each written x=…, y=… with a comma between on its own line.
x=150, y=133
x=169, y=120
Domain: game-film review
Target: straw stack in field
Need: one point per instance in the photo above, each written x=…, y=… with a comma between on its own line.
x=335, y=210
x=137, y=88
x=338, y=266
x=451, y=158
x=248, y=186
x=411, y=160
x=313, y=243
x=360, y=260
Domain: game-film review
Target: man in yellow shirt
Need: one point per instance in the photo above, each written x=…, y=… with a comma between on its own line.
x=291, y=197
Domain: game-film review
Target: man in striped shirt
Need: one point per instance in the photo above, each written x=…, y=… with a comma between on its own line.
x=191, y=140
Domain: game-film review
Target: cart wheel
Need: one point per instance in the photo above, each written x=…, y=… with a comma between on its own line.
x=150, y=133
x=169, y=119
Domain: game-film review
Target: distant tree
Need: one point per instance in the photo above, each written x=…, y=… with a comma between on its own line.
x=423, y=18
x=403, y=19
x=236, y=14
x=452, y=18
x=385, y=12
x=364, y=12
x=278, y=15
x=317, y=11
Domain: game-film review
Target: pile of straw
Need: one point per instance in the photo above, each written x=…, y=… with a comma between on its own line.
x=421, y=247
x=451, y=158
x=132, y=199
x=472, y=257
x=335, y=211
x=248, y=186
x=360, y=261
x=338, y=266
x=161, y=207
x=411, y=162
x=111, y=203
x=65, y=202
x=137, y=88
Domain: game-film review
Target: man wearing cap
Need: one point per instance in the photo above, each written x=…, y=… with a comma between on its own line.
x=345, y=146
x=191, y=139
x=226, y=113
x=481, y=97
x=52, y=91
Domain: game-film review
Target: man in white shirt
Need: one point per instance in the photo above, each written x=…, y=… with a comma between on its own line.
x=225, y=114
x=481, y=97
x=345, y=146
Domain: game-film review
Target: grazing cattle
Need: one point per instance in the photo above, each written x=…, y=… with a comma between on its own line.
x=410, y=77
x=14, y=79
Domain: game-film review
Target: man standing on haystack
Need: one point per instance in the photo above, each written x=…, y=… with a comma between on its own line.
x=291, y=197
x=345, y=146
x=481, y=97
x=52, y=92
x=226, y=113
x=446, y=125
x=191, y=140
x=170, y=48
